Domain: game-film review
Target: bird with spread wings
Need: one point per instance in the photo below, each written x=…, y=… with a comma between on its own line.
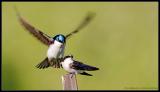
x=47, y=40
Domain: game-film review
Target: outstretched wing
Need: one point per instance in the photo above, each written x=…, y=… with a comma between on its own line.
x=80, y=66
x=88, y=18
x=37, y=33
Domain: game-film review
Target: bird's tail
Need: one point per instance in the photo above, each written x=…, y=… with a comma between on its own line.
x=44, y=64
x=56, y=63
x=89, y=68
x=85, y=73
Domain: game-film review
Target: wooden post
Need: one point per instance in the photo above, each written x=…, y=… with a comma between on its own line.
x=69, y=82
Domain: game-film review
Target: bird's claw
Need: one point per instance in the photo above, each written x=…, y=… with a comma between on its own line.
x=71, y=74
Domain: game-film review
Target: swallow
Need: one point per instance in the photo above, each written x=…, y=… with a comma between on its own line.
x=75, y=67
x=56, y=44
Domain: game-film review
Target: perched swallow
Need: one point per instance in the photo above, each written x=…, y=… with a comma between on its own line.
x=56, y=44
x=76, y=67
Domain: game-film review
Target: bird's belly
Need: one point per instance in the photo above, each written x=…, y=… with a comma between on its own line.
x=67, y=68
x=53, y=52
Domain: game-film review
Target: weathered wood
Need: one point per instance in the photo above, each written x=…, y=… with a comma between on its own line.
x=69, y=82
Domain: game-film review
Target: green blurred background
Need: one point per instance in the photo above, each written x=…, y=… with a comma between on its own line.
x=122, y=41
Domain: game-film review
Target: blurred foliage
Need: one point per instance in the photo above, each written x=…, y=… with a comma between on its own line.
x=122, y=41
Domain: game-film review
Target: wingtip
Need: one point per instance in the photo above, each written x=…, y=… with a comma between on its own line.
x=92, y=68
x=37, y=66
x=90, y=15
x=17, y=12
x=95, y=68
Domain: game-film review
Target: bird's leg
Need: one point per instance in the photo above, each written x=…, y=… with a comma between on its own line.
x=72, y=74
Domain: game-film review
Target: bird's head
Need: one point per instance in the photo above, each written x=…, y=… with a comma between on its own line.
x=60, y=38
x=69, y=56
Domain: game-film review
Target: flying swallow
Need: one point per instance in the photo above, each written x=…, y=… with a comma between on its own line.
x=56, y=44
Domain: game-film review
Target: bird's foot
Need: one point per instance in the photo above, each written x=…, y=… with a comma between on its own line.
x=71, y=74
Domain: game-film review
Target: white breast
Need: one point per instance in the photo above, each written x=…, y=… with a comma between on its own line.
x=66, y=65
x=55, y=50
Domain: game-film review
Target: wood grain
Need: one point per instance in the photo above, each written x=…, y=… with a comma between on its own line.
x=69, y=82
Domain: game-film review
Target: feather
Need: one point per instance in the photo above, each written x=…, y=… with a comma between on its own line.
x=44, y=38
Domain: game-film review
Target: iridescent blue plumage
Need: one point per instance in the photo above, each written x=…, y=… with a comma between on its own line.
x=61, y=38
